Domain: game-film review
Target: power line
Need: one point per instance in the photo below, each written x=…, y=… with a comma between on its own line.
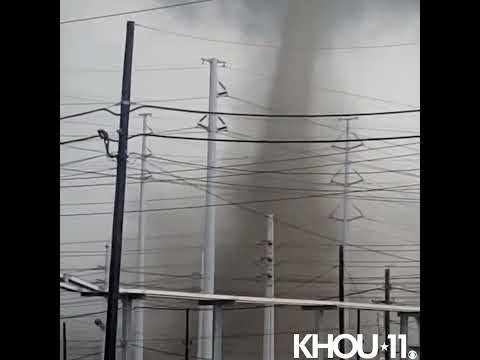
x=266, y=45
x=234, y=167
x=132, y=12
x=206, y=39
x=217, y=205
x=143, y=100
x=273, y=115
x=89, y=112
x=206, y=112
x=82, y=160
x=139, y=69
x=78, y=140
x=259, y=141
x=257, y=212
x=264, y=141
x=231, y=167
x=336, y=91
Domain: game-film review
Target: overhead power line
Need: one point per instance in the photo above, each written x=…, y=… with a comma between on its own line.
x=269, y=45
x=234, y=203
x=203, y=112
x=259, y=141
x=89, y=112
x=206, y=112
x=132, y=12
x=265, y=141
x=78, y=140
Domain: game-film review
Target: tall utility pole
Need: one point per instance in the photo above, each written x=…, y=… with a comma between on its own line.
x=141, y=241
x=64, y=341
x=269, y=312
x=119, y=204
x=387, y=313
x=205, y=318
x=342, y=214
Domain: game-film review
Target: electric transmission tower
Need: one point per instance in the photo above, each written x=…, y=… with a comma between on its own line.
x=346, y=211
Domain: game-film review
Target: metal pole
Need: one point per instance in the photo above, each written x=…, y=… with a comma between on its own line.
x=344, y=233
x=141, y=242
x=319, y=315
x=341, y=297
x=205, y=318
x=64, y=341
x=404, y=327
x=218, y=332
x=126, y=328
x=387, y=313
x=417, y=320
x=118, y=211
x=187, y=333
x=269, y=311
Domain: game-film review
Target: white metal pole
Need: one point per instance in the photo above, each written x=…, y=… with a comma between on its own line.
x=319, y=316
x=346, y=184
x=126, y=328
x=345, y=213
x=205, y=328
x=269, y=311
x=218, y=332
x=141, y=242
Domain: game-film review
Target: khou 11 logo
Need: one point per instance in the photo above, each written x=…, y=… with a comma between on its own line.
x=332, y=347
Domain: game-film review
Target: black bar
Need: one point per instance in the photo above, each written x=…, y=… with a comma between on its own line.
x=187, y=335
x=118, y=210
x=341, y=297
x=358, y=328
x=387, y=313
x=216, y=302
x=64, y=341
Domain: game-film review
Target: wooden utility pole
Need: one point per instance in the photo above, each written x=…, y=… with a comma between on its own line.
x=119, y=204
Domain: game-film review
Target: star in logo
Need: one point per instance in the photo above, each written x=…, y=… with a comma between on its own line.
x=384, y=347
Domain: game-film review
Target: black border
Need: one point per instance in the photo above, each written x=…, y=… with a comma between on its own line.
x=447, y=179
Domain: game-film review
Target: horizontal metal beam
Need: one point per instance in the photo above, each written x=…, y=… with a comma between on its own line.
x=180, y=295
x=66, y=278
x=69, y=287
